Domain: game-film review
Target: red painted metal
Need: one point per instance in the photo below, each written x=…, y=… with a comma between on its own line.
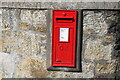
x=63, y=52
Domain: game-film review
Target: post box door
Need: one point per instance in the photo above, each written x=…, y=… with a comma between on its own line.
x=64, y=38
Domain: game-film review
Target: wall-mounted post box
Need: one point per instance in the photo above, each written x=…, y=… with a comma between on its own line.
x=64, y=39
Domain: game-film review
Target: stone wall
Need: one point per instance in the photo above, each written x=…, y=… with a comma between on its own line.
x=80, y=4
x=23, y=42
x=100, y=34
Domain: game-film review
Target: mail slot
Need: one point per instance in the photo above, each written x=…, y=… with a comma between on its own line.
x=64, y=38
x=64, y=20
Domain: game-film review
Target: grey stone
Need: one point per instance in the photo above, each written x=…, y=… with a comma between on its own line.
x=7, y=64
x=5, y=4
x=100, y=5
x=32, y=67
x=86, y=4
x=39, y=16
x=68, y=5
x=46, y=5
x=111, y=5
x=118, y=5
x=89, y=5
x=26, y=15
x=56, y=5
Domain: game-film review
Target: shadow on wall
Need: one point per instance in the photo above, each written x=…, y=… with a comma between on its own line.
x=114, y=29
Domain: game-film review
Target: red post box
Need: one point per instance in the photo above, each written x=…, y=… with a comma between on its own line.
x=64, y=38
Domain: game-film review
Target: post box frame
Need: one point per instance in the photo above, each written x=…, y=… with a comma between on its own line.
x=78, y=57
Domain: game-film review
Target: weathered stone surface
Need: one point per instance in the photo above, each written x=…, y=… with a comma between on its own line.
x=10, y=18
x=6, y=18
x=24, y=4
x=89, y=31
x=7, y=64
x=4, y=4
x=105, y=67
x=26, y=15
x=6, y=41
x=95, y=21
x=85, y=5
x=100, y=5
x=72, y=4
x=108, y=38
x=55, y=5
x=25, y=43
x=0, y=44
x=1, y=76
x=0, y=17
x=39, y=15
x=32, y=67
x=1, y=40
x=45, y=5
x=87, y=72
x=97, y=38
x=24, y=26
x=40, y=27
x=68, y=5
x=96, y=51
x=111, y=5
x=88, y=69
x=21, y=42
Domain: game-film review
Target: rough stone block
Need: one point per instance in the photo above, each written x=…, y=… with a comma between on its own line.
x=32, y=67
x=24, y=26
x=88, y=69
x=22, y=43
x=108, y=38
x=25, y=43
x=10, y=18
x=7, y=64
x=6, y=41
x=105, y=67
x=96, y=51
x=36, y=44
x=97, y=21
x=6, y=19
x=39, y=16
x=40, y=27
x=26, y=15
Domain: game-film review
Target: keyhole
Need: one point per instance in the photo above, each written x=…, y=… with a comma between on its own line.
x=61, y=47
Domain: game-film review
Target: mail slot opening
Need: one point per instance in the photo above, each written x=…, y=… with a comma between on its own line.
x=65, y=20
